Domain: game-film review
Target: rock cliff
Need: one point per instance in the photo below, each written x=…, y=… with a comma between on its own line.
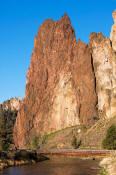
x=68, y=83
x=60, y=88
x=113, y=32
x=104, y=61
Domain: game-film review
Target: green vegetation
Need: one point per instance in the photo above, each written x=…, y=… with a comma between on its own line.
x=24, y=155
x=35, y=143
x=110, y=140
x=46, y=137
x=74, y=142
x=103, y=171
x=7, y=120
x=83, y=128
x=54, y=147
x=39, y=142
x=19, y=157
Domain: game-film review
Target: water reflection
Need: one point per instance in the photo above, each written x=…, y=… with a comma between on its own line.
x=56, y=166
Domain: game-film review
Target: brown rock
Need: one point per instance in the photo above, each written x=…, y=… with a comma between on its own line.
x=60, y=87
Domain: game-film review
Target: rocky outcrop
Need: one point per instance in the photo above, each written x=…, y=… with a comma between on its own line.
x=60, y=88
x=12, y=104
x=108, y=165
x=104, y=61
x=113, y=32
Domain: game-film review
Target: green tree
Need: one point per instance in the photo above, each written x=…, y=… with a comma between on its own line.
x=7, y=120
x=3, y=132
x=110, y=140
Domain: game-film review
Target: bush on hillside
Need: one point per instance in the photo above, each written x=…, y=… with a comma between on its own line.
x=76, y=144
x=110, y=140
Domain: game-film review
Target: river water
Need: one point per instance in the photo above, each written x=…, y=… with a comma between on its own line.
x=56, y=166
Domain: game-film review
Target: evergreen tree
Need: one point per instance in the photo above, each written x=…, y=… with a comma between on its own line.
x=7, y=120
x=74, y=142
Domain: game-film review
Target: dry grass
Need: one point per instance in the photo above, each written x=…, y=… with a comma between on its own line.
x=91, y=138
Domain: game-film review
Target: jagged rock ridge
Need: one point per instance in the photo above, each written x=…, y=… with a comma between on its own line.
x=68, y=83
x=60, y=87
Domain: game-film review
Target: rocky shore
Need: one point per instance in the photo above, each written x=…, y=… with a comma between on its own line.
x=20, y=157
x=108, y=166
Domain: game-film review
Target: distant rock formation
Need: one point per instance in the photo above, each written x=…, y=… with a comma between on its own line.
x=68, y=83
x=113, y=32
x=60, y=88
x=12, y=104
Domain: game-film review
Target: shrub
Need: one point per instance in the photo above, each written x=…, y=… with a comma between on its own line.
x=79, y=144
x=5, y=145
x=103, y=171
x=83, y=128
x=110, y=140
x=25, y=155
x=74, y=142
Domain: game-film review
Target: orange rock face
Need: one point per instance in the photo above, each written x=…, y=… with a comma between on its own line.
x=60, y=87
x=114, y=15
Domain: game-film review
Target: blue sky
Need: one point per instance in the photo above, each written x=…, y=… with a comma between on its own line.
x=19, y=23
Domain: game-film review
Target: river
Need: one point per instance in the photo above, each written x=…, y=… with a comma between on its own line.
x=56, y=166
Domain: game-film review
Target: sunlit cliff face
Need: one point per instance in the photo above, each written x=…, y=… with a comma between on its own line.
x=104, y=60
x=64, y=111
x=68, y=83
x=60, y=87
x=113, y=32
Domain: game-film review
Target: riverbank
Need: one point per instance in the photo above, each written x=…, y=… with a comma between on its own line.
x=57, y=165
x=19, y=157
x=108, y=166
